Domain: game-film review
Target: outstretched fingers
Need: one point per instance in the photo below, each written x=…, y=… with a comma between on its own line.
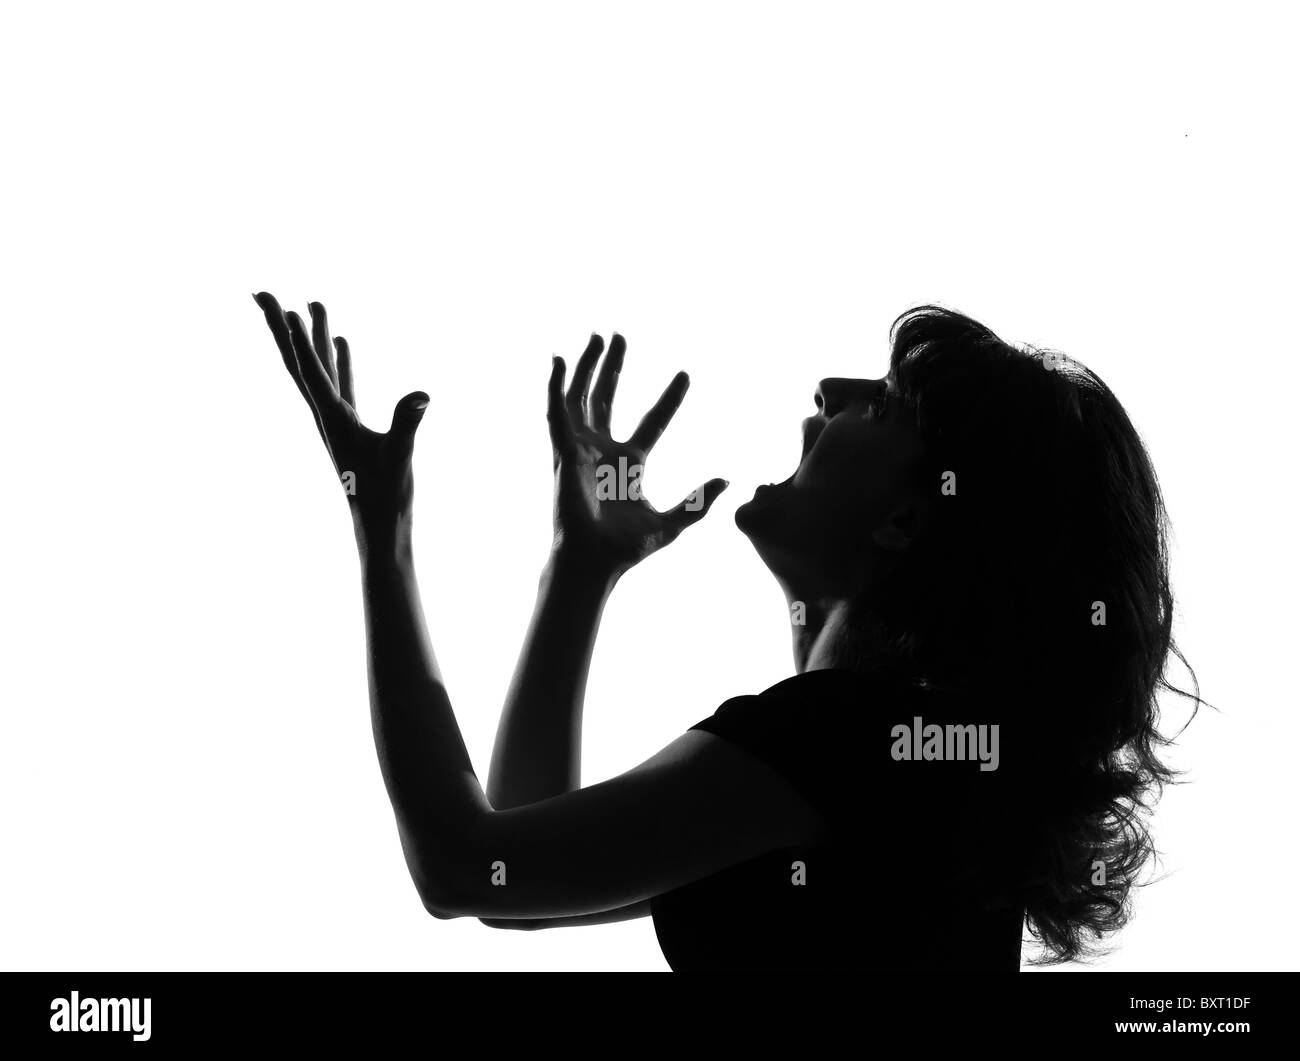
x=320, y=340
x=576, y=400
x=320, y=388
x=407, y=415
x=656, y=421
x=601, y=401
x=346, y=391
x=275, y=320
x=696, y=505
x=557, y=413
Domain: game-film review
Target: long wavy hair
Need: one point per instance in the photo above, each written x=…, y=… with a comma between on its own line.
x=1042, y=585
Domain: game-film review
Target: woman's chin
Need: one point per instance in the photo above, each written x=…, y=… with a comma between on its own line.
x=749, y=515
x=744, y=517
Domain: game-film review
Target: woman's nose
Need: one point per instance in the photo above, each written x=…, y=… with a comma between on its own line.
x=835, y=393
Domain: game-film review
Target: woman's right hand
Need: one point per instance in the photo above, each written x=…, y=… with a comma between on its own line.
x=601, y=514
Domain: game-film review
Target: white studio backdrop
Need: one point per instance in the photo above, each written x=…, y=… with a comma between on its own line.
x=751, y=192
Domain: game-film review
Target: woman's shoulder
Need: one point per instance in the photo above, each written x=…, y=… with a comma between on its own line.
x=829, y=694
x=807, y=721
x=844, y=720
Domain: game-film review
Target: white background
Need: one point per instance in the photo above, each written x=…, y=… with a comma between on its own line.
x=748, y=191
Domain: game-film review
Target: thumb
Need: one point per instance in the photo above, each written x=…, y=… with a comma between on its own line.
x=696, y=505
x=407, y=415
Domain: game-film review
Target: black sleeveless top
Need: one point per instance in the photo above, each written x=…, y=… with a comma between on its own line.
x=912, y=875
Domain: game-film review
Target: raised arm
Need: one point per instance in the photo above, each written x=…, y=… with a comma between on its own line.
x=596, y=539
x=693, y=809
x=538, y=746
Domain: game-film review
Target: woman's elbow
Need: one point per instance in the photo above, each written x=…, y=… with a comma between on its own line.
x=439, y=877
x=438, y=895
x=519, y=924
x=439, y=909
x=446, y=905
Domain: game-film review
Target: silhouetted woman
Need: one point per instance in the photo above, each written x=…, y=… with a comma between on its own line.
x=973, y=552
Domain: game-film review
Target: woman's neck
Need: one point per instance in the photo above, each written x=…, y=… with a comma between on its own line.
x=835, y=635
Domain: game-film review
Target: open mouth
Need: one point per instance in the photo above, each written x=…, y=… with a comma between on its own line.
x=812, y=428
x=773, y=486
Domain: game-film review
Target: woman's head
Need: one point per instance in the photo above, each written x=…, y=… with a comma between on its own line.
x=980, y=504
x=829, y=531
x=990, y=518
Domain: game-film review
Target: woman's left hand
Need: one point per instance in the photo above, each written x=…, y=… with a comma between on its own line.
x=374, y=469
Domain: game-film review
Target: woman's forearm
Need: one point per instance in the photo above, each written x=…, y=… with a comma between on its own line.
x=538, y=749
x=426, y=768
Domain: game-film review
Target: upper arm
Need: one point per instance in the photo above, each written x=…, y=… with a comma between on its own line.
x=693, y=809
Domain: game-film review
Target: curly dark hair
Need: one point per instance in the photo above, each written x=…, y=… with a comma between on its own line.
x=1044, y=584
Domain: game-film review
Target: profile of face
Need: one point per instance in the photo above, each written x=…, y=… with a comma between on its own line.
x=854, y=500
